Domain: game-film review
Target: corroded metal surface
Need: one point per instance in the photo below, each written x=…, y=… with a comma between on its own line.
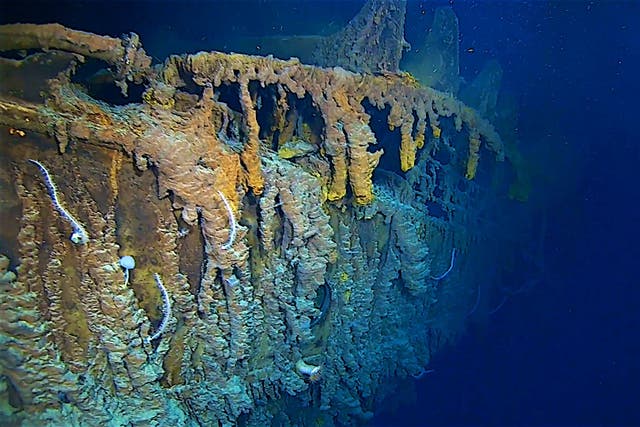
x=248, y=243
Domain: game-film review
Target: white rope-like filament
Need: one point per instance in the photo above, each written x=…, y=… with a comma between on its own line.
x=453, y=259
x=233, y=226
x=166, y=310
x=79, y=235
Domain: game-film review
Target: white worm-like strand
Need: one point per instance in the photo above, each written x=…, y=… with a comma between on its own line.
x=79, y=235
x=233, y=227
x=453, y=259
x=166, y=309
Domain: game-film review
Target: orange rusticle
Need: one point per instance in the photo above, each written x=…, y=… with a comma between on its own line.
x=408, y=148
x=338, y=95
x=436, y=131
x=361, y=162
x=250, y=155
x=474, y=157
x=354, y=123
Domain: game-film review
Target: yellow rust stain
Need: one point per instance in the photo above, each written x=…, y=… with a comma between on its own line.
x=173, y=359
x=77, y=330
x=114, y=170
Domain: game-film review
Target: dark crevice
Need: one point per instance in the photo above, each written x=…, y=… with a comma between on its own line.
x=99, y=83
x=266, y=105
x=229, y=94
x=188, y=84
x=388, y=140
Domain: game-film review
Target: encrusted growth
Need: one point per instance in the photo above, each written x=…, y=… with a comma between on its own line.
x=299, y=211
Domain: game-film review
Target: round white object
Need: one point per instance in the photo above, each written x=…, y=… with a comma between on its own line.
x=127, y=262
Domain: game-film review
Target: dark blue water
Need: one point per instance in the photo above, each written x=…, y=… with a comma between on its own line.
x=567, y=352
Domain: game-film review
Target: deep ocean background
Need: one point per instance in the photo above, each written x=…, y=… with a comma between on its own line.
x=566, y=352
